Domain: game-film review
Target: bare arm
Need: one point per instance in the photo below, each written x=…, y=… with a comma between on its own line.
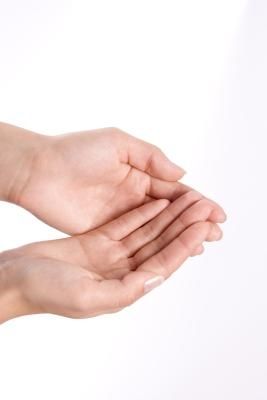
x=18, y=149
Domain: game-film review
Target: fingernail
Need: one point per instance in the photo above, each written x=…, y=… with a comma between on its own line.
x=152, y=283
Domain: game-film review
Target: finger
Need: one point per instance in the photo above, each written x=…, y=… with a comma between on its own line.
x=198, y=251
x=148, y=158
x=129, y=222
x=198, y=212
x=110, y=295
x=154, y=228
x=214, y=235
x=173, y=190
x=123, y=268
x=218, y=214
x=159, y=189
x=148, y=199
x=168, y=260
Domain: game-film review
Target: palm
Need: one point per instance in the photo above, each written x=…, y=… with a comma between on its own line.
x=102, y=271
x=83, y=180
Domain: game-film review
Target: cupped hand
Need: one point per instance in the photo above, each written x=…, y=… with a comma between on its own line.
x=79, y=181
x=108, y=268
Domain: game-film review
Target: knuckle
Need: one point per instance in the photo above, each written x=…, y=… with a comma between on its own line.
x=140, y=182
x=186, y=244
x=162, y=258
x=148, y=231
x=201, y=225
x=204, y=202
x=159, y=243
x=204, y=206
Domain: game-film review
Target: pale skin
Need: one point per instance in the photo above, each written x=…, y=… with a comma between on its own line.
x=99, y=186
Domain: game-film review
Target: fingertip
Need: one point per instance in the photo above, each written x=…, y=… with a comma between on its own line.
x=178, y=171
x=215, y=234
x=198, y=251
x=167, y=169
x=218, y=216
x=181, y=171
x=158, y=205
x=163, y=202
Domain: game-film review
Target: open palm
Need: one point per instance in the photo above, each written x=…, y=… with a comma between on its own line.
x=83, y=180
x=106, y=269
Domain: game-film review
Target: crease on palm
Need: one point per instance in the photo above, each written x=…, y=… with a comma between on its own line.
x=75, y=191
x=104, y=270
x=86, y=184
x=114, y=249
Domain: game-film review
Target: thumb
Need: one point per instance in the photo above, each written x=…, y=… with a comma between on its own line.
x=148, y=158
x=114, y=294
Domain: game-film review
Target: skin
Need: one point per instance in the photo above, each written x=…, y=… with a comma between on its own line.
x=76, y=182
x=99, y=186
x=105, y=270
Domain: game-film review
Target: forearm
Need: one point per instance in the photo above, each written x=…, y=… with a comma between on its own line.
x=17, y=151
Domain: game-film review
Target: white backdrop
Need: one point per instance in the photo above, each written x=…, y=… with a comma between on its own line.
x=189, y=76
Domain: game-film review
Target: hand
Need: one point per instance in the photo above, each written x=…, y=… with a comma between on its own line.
x=110, y=267
x=76, y=182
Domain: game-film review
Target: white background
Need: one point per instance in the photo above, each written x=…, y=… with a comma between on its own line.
x=189, y=76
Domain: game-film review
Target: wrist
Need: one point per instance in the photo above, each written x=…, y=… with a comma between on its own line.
x=19, y=149
x=11, y=302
